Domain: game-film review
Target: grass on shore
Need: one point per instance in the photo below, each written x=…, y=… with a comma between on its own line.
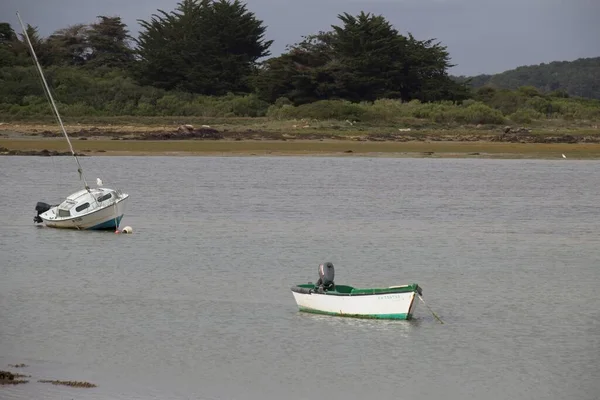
x=299, y=128
x=313, y=147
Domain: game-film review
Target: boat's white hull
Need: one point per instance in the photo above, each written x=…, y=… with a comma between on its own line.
x=105, y=218
x=381, y=306
x=98, y=208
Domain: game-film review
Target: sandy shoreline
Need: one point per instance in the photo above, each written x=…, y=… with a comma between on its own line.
x=89, y=140
x=305, y=148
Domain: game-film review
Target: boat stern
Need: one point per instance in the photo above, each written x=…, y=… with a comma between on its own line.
x=41, y=208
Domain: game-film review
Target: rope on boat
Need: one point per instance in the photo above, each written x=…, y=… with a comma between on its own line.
x=434, y=314
x=54, y=109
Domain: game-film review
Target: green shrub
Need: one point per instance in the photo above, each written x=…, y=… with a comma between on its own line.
x=110, y=92
x=321, y=110
x=525, y=116
x=479, y=113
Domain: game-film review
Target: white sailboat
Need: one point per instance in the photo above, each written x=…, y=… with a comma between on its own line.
x=98, y=208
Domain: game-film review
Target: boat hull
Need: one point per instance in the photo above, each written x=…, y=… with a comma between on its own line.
x=400, y=306
x=106, y=218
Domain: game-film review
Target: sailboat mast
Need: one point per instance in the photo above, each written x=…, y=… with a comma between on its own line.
x=79, y=168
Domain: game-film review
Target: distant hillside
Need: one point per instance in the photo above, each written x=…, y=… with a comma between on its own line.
x=577, y=78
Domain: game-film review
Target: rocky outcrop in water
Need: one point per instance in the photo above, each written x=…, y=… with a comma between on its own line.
x=5, y=375
x=8, y=378
x=69, y=383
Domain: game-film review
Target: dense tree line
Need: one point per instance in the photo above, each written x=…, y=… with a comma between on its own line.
x=211, y=58
x=363, y=59
x=580, y=77
x=215, y=47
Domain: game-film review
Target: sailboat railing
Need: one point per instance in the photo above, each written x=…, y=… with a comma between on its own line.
x=54, y=108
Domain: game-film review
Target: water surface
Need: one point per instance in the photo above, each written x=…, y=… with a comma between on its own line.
x=196, y=303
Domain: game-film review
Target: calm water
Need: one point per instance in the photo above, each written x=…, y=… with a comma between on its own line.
x=196, y=303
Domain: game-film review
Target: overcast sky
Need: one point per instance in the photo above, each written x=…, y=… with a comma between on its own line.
x=482, y=36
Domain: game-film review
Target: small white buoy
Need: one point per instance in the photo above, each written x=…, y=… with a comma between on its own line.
x=127, y=229
x=564, y=156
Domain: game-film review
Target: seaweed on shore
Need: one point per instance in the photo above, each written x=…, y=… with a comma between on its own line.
x=69, y=383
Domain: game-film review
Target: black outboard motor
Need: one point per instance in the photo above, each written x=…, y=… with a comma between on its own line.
x=41, y=208
x=326, y=275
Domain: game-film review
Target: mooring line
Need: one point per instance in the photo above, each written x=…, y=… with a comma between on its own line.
x=434, y=314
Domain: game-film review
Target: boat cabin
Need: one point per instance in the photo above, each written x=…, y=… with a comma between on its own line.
x=84, y=202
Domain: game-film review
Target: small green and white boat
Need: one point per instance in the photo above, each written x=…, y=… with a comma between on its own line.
x=325, y=297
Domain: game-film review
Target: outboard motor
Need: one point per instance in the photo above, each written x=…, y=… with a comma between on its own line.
x=326, y=275
x=41, y=208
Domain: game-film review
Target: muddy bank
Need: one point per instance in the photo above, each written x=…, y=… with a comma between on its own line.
x=44, y=153
x=506, y=135
x=189, y=132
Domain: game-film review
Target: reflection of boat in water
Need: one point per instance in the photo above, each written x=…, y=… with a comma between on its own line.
x=326, y=297
x=99, y=208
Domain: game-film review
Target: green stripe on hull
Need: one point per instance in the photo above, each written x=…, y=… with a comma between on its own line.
x=371, y=316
